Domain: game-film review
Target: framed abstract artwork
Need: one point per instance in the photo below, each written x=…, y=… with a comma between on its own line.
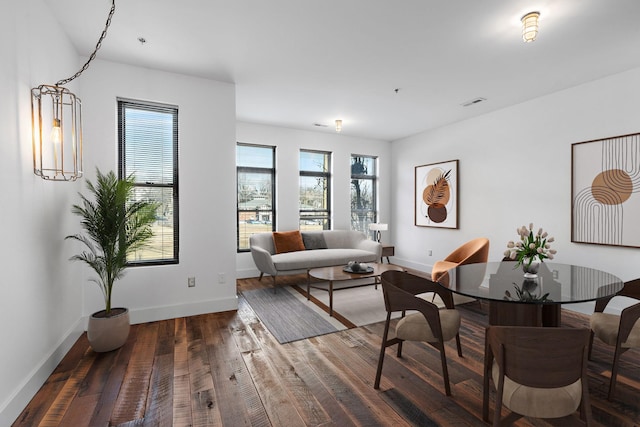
x=436, y=195
x=605, y=191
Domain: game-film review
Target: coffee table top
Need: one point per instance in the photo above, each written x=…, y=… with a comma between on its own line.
x=336, y=273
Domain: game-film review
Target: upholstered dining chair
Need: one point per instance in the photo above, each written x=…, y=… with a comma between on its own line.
x=538, y=372
x=473, y=251
x=621, y=331
x=429, y=323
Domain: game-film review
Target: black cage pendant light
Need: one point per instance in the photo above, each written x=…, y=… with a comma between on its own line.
x=56, y=123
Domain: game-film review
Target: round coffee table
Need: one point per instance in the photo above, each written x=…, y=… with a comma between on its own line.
x=337, y=274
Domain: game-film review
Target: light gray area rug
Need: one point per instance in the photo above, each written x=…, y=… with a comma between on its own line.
x=285, y=316
x=361, y=306
x=289, y=316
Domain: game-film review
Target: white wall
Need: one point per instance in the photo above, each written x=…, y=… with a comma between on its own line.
x=206, y=126
x=288, y=143
x=45, y=297
x=40, y=292
x=515, y=168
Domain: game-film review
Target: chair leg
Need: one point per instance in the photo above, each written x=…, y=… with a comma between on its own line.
x=260, y=278
x=275, y=287
x=497, y=414
x=590, y=344
x=383, y=347
x=445, y=371
x=458, y=345
x=614, y=370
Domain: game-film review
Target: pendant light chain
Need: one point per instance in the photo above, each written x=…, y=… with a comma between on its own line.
x=98, y=45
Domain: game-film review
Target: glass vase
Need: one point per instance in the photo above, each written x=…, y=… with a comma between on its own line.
x=530, y=267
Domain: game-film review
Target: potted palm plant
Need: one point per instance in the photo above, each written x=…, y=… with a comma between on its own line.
x=115, y=225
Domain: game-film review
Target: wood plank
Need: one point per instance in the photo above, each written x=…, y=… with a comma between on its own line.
x=63, y=400
x=235, y=391
x=111, y=386
x=363, y=404
x=40, y=403
x=132, y=398
x=277, y=402
x=205, y=409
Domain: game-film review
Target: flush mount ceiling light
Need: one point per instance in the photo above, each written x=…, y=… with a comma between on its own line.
x=56, y=125
x=530, y=26
x=338, y=125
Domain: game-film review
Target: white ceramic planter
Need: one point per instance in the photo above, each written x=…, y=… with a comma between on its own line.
x=108, y=333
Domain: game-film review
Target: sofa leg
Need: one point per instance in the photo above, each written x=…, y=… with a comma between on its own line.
x=275, y=288
x=260, y=278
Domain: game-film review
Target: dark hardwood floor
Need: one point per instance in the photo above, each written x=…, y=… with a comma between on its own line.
x=226, y=369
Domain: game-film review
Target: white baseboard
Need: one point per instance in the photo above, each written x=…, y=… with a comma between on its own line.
x=20, y=398
x=425, y=268
x=246, y=273
x=154, y=314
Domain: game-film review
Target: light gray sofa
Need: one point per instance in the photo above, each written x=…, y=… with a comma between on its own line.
x=342, y=246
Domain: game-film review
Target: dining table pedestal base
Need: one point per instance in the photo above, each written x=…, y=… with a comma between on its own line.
x=514, y=314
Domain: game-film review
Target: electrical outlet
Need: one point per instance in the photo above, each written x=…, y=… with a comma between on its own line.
x=191, y=282
x=221, y=278
x=430, y=252
x=555, y=274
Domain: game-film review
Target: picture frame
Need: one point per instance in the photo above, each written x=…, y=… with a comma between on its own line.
x=605, y=187
x=436, y=195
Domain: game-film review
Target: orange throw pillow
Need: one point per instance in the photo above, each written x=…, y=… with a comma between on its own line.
x=288, y=241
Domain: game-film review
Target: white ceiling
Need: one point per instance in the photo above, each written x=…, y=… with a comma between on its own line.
x=300, y=62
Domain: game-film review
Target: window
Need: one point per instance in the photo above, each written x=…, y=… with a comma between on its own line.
x=148, y=150
x=363, y=192
x=256, y=173
x=315, y=190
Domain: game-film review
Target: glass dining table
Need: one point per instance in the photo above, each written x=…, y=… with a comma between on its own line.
x=516, y=301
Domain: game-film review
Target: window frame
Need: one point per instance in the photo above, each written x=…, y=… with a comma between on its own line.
x=253, y=169
x=373, y=177
x=316, y=174
x=122, y=105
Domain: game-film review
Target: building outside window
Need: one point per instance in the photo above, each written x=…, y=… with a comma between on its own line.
x=315, y=190
x=148, y=151
x=364, y=192
x=256, y=173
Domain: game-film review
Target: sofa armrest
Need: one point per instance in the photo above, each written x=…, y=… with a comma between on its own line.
x=262, y=259
x=370, y=246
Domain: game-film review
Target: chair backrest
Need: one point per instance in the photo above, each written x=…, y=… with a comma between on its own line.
x=474, y=251
x=540, y=357
x=399, y=289
x=631, y=289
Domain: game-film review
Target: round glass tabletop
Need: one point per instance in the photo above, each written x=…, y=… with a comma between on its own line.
x=555, y=284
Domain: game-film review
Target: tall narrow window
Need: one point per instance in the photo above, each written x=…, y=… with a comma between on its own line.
x=148, y=151
x=364, y=191
x=315, y=190
x=256, y=173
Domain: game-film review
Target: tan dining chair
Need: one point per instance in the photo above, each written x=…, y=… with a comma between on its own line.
x=537, y=372
x=429, y=324
x=473, y=251
x=621, y=331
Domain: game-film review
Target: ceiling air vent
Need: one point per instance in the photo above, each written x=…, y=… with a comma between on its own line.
x=473, y=102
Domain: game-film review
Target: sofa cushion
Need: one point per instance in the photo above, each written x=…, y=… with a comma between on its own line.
x=304, y=260
x=314, y=240
x=287, y=241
